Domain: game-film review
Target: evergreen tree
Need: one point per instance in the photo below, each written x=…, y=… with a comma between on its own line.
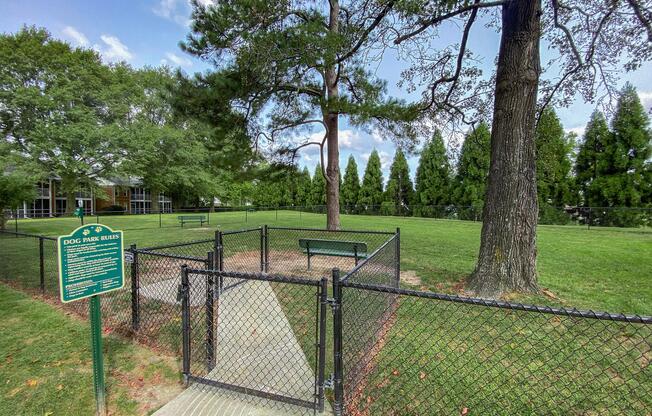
x=304, y=185
x=318, y=187
x=472, y=170
x=399, y=193
x=371, y=191
x=621, y=170
x=351, y=186
x=553, y=168
x=433, y=177
x=590, y=153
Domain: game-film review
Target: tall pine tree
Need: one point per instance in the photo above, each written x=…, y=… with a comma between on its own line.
x=554, y=185
x=318, y=187
x=399, y=194
x=590, y=153
x=472, y=170
x=433, y=181
x=371, y=191
x=621, y=170
x=304, y=185
x=351, y=186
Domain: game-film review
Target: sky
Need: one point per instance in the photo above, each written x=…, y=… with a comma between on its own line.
x=148, y=32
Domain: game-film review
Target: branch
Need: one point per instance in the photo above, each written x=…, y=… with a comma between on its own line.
x=298, y=89
x=296, y=124
x=458, y=67
x=438, y=19
x=367, y=31
x=569, y=36
x=645, y=20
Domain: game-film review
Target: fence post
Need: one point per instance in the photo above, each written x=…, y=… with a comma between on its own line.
x=210, y=321
x=266, y=249
x=135, y=291
x=160, y=222
x=208, y=216
x=246, y=215
x=323, y=303
x=338, y=387
x=16, y=221
x=398, y=256
x=184, y=291
x=220, y=260
x=262, y=248
x=41, y=264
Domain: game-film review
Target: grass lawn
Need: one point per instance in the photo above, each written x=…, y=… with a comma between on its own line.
x=46, y=365
x=436, y=347
x=601, y=268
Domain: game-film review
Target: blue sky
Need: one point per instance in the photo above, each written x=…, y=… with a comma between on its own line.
x=147, y=32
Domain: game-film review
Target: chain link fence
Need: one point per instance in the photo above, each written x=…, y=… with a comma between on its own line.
x=408, y=352
x=245, y=326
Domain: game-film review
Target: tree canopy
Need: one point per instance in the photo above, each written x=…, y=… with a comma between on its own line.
x=371, y=190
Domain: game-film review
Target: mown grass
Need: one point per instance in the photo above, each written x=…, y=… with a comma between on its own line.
x=600, y=268
x=434, y=358
x=46, y=364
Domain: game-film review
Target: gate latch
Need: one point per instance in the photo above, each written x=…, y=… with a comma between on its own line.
x=181, y=292
x=330, y=382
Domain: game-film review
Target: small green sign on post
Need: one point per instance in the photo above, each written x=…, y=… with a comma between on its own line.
x=79, y=212
x=91, y=262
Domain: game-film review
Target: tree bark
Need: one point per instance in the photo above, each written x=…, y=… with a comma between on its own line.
x=507, y=257
x=331, y=119
x=154, y=206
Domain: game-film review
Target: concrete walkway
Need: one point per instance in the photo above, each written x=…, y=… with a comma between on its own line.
x=255, y=348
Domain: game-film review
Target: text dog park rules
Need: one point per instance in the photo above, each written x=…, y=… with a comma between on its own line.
x=91, y=262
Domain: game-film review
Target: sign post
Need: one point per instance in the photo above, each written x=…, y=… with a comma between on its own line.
x=79, y=212
x=91, y=262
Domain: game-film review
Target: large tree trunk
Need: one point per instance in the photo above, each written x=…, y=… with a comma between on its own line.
x=155, y=205
x=507, y=258
x=71, y=202
x=331, y=119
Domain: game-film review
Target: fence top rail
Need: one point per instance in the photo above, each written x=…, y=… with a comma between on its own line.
x=169, y=256
x=244, y=230
x=28, y=235
x=369, y=258
x=180, y=244
x=332, y=231
x=258, y=276
x=605, y=316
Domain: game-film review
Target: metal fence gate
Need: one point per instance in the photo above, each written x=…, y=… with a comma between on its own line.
x=258, y=337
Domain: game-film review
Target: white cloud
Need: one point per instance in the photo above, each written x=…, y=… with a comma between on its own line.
x=74, y=35
x=350, y=139
x=114, y=50
x=176, y=60
x=646, y=99
x=579, y=130
x=177, y=11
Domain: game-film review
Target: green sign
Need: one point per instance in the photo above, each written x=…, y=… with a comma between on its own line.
x=91, y=262
x=79, y=212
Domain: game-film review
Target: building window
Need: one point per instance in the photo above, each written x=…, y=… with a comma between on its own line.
x=141, y=201
x=165, y=203
x=40, y=207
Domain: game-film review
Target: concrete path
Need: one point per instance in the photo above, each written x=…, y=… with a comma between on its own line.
x=255, y=348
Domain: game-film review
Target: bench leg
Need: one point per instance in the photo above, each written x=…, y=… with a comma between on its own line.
x=308, y=261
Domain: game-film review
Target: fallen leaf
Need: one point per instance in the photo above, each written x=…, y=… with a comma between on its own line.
x=395, y=372
x=32, y=383
x=465, y=411
x=422, y=375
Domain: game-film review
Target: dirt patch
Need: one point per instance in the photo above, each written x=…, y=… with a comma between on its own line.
x=293, y=263
x=410, y=277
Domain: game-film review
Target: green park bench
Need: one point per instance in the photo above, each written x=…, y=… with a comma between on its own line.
x=335, y=248
x=183, y=219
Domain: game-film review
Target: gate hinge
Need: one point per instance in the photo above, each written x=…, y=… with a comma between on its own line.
x=329, y=383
